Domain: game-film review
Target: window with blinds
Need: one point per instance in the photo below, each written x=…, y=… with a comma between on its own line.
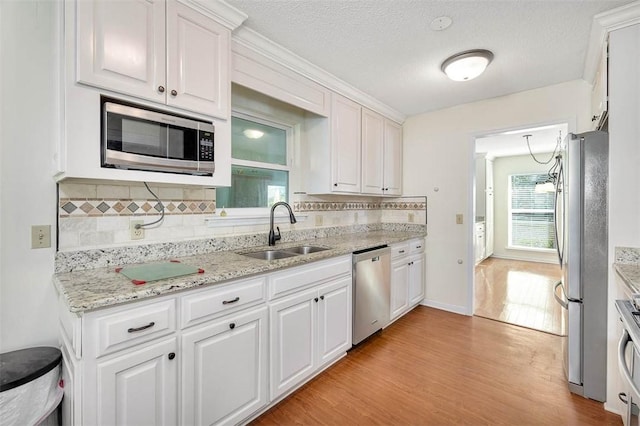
x=531, y=223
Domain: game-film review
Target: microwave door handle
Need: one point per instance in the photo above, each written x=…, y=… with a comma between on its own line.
x=622, y=362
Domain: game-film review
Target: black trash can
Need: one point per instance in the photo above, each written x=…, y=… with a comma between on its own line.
x=30, y=387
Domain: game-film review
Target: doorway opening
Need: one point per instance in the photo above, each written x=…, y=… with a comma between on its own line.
x=516, y=264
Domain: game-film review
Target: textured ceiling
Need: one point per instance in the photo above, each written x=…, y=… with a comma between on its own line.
x=386, y=49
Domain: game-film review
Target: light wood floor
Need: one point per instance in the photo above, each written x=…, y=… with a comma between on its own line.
x=437, y=368
x=519, y=293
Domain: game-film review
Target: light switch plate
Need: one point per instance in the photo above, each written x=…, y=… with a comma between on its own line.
x=459, y=219
x=40, y=236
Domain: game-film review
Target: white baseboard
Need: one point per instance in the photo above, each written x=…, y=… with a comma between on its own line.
x=456, y=309
x=524, y=259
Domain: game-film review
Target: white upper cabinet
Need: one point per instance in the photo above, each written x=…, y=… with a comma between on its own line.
x=392, y=158
x=373, y=128
x=381, y=155
x=121, y=46
x=599, y=93
x=165, y=52
x=198, y=66
x=345, y=145
x=364, y=155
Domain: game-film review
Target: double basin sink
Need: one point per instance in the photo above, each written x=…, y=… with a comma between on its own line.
x=283, y=253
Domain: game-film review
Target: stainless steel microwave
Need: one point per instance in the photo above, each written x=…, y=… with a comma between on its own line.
x=143, y=139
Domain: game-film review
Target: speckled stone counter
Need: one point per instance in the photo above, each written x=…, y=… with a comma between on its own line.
x=103, y=287
x=627, y=265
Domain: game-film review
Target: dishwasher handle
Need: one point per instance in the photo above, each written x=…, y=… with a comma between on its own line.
x=372, y=254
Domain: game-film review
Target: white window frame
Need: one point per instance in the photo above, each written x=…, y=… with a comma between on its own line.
x=511, y=211
x=260, y=215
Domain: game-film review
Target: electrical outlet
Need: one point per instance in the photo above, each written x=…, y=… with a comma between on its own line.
x=319, y=220
x=412, y=217
x=40, y=236
x=459, y=219
x=136, y=233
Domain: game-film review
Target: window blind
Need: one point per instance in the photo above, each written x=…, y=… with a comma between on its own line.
x=531, y=222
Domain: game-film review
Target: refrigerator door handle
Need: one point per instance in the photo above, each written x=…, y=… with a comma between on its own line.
x=562, y=302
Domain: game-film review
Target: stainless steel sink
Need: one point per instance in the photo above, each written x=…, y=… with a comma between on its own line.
x=269, y=254
x=283, y=253
x=305, y=249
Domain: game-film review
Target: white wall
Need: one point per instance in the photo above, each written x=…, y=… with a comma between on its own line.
x=502, y=168
x=624, y=173
x=439, y=154
x=29, y=87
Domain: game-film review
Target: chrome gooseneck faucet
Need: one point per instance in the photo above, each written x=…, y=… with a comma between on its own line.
x=272, y=235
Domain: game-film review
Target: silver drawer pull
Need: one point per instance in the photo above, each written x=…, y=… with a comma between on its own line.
x=375, y=259
x=228, y=302
x=401, y=251
x=418, y=246
x=144, y=327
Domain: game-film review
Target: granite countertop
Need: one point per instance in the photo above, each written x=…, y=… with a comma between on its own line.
x=627, y=265
x=630, y=274
x=103, y=287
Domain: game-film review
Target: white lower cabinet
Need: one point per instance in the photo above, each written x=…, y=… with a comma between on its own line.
x=399, y=287
x=217, y=355
x=138, y=387
x=224, y=369
x=407, y=276
x=416, y=278
x=308, y=330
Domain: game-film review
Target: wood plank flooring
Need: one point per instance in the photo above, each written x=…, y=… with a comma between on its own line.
x=433, y=367
x=519, y=293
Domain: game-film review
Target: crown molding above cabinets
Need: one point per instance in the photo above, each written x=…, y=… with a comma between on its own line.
x=220, y=10
x=254, y=41
x=603, y=24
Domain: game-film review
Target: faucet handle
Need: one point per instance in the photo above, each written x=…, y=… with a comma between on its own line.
x=278, y=236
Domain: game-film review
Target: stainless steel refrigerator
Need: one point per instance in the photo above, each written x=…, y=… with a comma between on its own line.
x=581, y=237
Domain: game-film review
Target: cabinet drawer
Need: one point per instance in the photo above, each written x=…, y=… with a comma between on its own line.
x=295, y=279
x=416, y=246
x=220, y=300
x=132, y=326
x=400, y=249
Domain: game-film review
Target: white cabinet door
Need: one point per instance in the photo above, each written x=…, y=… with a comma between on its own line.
x=399, y=287
x=224, y=369
x=345, y=144
x=198, y=61
x=293, y=340
x=488, y=218
x=392, y=158
x=334, y=319
x=373, y=128
x=138, y=387
x=416, y=279
x=121, y=46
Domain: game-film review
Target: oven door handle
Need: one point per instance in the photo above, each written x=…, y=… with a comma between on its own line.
x=563, y=302
x=622, y=363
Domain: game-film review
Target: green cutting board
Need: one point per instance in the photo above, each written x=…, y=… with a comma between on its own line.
x=157, y=271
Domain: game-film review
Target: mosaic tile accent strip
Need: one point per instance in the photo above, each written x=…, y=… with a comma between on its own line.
x=312, y=206
x=98, y=207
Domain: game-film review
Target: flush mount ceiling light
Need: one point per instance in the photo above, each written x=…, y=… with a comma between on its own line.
x=467, y=65
x=253, y=133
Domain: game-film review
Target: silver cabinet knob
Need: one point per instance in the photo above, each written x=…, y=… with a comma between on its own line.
x=174, y=93
x=161, y=89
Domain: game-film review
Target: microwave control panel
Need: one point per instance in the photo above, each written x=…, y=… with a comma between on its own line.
x=206, y=146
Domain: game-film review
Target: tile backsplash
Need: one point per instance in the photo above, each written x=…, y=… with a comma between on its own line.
x=98, y=215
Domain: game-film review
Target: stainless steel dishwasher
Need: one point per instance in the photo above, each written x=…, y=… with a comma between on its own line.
x=371, y=291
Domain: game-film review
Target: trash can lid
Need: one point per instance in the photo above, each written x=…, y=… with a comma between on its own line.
x=24, y=365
